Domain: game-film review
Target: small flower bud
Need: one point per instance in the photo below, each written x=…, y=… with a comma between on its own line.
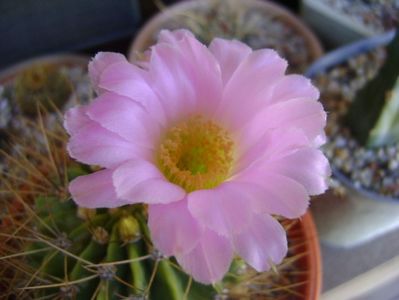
x=129, y=229
x=86, y=213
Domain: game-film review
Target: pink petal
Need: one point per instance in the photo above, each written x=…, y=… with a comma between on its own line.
x=173, y=37
x=207, y=78
x=75, y=119
x=209, y=261
x=229, y=55
x=100, y=62
x=320, y=140
x=304, y=114
x=294, y=87
x=128, y=80
x=262, y=244
x=250, y=86
x=223, y=209
x=274, y=144
x=282, y=195
x=96, y=145
x=308, y=166
x=174, y=231
x=186, y=77
x=139, y=181
x=172, y=82
x=95, y=190
x=125, y=118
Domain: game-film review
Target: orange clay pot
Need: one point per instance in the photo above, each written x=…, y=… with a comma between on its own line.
x=311, y=261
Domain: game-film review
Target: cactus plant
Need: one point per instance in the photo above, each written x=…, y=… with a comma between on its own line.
x=52, y=249
x=42, y=84
x=373, y=116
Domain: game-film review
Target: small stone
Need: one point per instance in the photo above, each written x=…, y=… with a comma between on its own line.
x=340, y=142
x=366, y=177
x=347, y=166
x=393, y=165
x=388, y=181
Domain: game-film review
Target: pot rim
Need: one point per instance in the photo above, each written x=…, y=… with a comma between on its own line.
x=341, y=54
x=141, y=42
x=8, y=74
x=314, y=262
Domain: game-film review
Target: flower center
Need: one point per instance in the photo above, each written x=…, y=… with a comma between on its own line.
x=196, y=154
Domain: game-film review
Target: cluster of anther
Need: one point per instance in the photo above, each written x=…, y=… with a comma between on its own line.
x=196, y=154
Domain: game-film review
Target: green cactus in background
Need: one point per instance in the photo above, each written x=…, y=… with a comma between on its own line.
x=42, y=84
x=373, y=117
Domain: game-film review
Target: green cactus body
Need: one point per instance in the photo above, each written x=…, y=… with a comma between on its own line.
x=42, y=84
x=167, y=283
x=139, y=276
x=111, y=286
x=94, y=268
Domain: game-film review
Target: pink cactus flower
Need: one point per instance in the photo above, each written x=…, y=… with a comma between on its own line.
x=215, y=140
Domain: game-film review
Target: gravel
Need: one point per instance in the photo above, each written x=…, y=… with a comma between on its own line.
x=378, y=15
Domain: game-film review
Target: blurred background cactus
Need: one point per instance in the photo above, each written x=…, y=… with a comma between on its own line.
x=52, y=249
x=373, y=117
x=43, y=84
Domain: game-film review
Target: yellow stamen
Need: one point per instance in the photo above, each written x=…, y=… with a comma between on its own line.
x=196, y=154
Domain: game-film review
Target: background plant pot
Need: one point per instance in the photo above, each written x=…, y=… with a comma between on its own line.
x=80, y=88
x=67, y=60
x=337, y=57
x=148, y=34
x=363, y=214
x=298, y=276
x=312, y=261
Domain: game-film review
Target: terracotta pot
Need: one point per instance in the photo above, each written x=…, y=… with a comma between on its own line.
x=298, y=276
x=312, y=261
x=147, y=35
